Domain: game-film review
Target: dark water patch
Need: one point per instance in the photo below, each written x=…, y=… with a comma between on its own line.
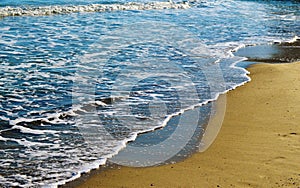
x=6, y=145
x=285, y=52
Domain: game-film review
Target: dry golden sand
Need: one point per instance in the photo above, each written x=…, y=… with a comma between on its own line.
x=258, y=145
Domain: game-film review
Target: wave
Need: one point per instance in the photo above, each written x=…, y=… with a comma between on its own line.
x=66, y=9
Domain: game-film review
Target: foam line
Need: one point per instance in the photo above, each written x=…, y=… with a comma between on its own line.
x=66, y=9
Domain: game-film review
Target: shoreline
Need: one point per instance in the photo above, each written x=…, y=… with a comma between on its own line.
x=259, y=134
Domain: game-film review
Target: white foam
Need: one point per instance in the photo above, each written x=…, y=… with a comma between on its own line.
x=3, y=139
x=4, y=118
x=34, y=131
x=24, y=142
x=50, y=10
x=294, y=39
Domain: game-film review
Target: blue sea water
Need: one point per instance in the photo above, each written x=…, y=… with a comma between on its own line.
x=76, y=87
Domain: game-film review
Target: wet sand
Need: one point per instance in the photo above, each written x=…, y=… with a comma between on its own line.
x=258, y=145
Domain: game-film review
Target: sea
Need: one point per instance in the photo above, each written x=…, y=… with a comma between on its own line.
x=84, y=83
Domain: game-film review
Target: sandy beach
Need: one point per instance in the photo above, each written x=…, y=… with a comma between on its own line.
x=258, y=145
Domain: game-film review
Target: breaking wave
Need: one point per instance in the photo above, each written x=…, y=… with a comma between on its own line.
x=66, y=9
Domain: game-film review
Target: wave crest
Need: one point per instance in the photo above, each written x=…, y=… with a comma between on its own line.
x=66, y=9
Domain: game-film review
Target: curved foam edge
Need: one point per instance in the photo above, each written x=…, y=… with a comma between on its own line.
x=67, y=9
x=291, y=40
x=134, y=135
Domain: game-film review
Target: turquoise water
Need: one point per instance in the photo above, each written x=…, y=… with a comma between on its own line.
x=76, y=87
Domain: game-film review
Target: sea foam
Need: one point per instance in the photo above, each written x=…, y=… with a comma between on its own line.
x=66, y=9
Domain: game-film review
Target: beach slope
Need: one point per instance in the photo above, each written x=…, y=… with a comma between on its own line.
x=258, y=145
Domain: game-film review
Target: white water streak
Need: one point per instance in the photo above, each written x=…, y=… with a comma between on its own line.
x=66, y=9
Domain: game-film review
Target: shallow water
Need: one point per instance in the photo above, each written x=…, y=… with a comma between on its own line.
x=278, y=53
x=74, y=88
